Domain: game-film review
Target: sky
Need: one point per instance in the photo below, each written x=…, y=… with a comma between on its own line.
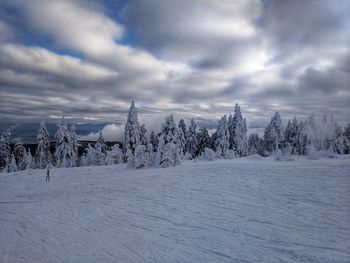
x=88, y=59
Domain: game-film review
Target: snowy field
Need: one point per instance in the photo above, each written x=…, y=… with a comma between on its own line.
x=246, y=210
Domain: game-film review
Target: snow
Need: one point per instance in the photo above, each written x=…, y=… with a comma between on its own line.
x=242, y=210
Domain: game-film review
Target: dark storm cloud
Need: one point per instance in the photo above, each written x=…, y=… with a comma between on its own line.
x=191, y=58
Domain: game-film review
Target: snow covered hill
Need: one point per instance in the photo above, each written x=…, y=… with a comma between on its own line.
x=243, y=210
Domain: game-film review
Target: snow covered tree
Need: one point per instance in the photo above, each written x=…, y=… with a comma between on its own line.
x=154, y=140
x=274, y=134
x=141, y=159
x=168, y=152
x=143, y=138
x=73, y=146
x=339, y=141
x=347, y=139
x=29, y=162
x=291, y=135
x=89, y=158
x=237, y=128
x=20, y=154
x=151, y=154
x=255, y=144
x=207, y=154
x=12, y=167
x=203, y=140
x=191, y=139
x=64, y=146
x=182, y=135
x=102, y=142
x=43, y=154
x=132, y=130
x=100, y=155
x=114, y=156
x=130, y=159
x=5, y=149
x=221, y=138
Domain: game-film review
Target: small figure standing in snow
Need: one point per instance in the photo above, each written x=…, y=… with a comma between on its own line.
x=47, y=176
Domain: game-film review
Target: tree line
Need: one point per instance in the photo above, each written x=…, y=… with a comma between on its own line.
x=175, y=142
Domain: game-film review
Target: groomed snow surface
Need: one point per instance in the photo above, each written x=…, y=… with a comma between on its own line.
x=243, y=210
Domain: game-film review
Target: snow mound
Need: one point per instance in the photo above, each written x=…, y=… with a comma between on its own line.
x=255, y=157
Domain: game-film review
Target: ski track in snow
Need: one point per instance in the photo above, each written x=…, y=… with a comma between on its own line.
x=241, y=210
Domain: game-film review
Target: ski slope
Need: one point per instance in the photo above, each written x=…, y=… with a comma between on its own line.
x=243, y=210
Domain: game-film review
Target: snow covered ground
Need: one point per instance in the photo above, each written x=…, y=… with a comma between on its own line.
x=244, y=210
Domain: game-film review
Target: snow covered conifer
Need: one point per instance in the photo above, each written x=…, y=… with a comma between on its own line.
x=339, y=141
x=347, y=139
x=12, y=167
x=73, y=146
x=43, y=154
x=274, y=134
x=237, y=128
x=5, y=150
x=203, y=139
x=291, y=134
x=102, y=142
x=141, y=157
x=130, y=160
x=207, y=154
x=115, y=155
x=168, y=153
x=63, y=153
x=151, y=154
x=29, y=164
x=132, y=130
x=255, y=144
x=182, y=126
x=221, y=138
x=191, y=139
x=154, y=140
x=143, y=138
x=89, y=159
x=20, y=154
x=182, y=136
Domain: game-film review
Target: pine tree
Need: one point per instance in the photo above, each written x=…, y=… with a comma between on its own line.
x=100, y=156
x=347, y=139
x=291, y=134
x=5, y=149
x=237, y=128
x=63, y=153
x=154, y=140
x=43, y=154
x=141, y=157
x=102, y=142
x=255, y=144
x=143, y=138
x=20, y=154
x=29, y=163
x=151, y=154
x=132, y=130
x=89, y=158
x=73, y=146
x=114, y=156
x=274, y=134
x=191, y=139
x=182, y=135
x=168, y=153
x=12, y=166
x=203, y=139
x=339, y=141
x=221, y=138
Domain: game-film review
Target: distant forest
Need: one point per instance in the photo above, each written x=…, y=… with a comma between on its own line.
x=315, y=138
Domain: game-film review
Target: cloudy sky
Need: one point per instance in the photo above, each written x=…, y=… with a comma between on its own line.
x=88, y=59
